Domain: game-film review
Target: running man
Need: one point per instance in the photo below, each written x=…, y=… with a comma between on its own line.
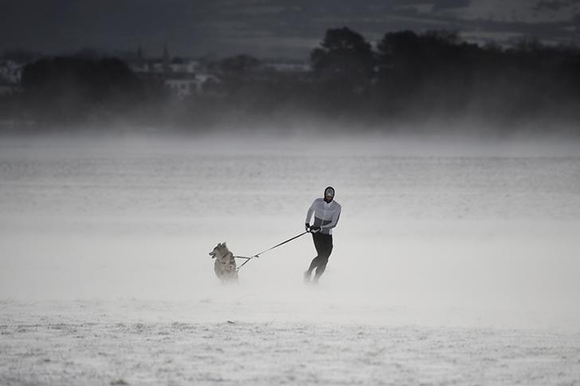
x=326, y=214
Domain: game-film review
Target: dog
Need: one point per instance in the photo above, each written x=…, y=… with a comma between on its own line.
x=225, y=263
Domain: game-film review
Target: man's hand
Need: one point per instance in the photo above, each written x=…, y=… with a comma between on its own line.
x=314, y=229
x=307, y=227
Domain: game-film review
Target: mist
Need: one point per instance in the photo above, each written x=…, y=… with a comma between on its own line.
x=473, y=224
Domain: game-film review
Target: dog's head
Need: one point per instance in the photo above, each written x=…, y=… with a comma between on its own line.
x=220, y=250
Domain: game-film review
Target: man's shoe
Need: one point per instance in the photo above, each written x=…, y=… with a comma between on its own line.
x=307, y=277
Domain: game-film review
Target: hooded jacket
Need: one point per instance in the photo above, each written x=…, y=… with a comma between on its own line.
x=326, y=215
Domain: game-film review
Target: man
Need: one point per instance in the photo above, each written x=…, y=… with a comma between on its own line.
x=326, y=214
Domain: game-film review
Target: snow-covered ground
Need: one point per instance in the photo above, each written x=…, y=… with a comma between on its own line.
x=454, y=262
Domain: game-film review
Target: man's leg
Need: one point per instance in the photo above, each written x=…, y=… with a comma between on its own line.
x=318, y=244
x=325, y=244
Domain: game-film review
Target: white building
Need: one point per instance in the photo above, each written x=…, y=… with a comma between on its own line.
x=182, y=88
x=184, y=67
x=185, y=87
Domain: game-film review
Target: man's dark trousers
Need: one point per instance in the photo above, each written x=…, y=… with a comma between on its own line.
x=323, y=245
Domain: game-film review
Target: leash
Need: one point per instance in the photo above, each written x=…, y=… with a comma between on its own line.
x=269, y=249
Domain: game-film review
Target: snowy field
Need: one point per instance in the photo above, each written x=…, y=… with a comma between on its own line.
x=454, y=262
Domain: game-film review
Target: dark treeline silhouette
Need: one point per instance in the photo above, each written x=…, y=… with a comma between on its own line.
x=77, y=89
x=419, y=77
x=405, y=77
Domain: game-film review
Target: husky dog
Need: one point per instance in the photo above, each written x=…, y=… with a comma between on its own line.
x=225, y=264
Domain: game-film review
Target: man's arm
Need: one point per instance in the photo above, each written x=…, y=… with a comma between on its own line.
x=334, y=220
x=309, y=213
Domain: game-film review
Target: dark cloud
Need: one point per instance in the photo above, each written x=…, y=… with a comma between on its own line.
x=548, y=5
x=442, y=5
x=411, y=2
x=264, y=27
x=554, y=5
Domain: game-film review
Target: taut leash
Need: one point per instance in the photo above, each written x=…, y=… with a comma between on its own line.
x=269, y=249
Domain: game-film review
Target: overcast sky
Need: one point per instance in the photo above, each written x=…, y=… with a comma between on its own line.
x=267, y=28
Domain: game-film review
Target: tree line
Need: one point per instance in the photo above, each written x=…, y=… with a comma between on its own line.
x=404, y=76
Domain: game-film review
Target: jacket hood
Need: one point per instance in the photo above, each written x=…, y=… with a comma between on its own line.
x=329, y=191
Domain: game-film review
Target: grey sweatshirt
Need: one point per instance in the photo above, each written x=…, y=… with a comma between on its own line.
x=326, y=215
